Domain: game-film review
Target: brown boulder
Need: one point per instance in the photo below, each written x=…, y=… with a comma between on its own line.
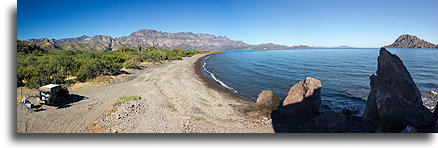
x=310, y=87
x=267, y=100
x=303, y=99
x=394, y=93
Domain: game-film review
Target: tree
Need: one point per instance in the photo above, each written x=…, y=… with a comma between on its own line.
x=139, y=48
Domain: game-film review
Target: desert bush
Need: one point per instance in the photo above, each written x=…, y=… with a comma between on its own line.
x=129, y=98
x=36, y=67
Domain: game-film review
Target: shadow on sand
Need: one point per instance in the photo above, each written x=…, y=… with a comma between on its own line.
x=72, y=98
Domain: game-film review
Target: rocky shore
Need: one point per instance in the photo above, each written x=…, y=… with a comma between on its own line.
x=394, y=105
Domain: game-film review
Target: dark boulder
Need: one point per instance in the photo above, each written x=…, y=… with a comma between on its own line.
x=435, y=111
x=394, y=94
x=331, y=122
x=303, y=99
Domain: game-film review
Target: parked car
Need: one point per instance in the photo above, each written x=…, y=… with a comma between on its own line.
x=52, y=94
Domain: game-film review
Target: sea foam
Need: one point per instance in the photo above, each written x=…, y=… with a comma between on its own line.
x=214, y=76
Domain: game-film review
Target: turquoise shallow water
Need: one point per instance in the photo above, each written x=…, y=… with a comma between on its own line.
x=344, y=73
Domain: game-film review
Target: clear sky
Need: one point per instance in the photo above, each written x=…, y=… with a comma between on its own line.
x=358, y=23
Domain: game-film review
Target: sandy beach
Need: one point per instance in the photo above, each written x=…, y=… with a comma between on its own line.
x=175, y=98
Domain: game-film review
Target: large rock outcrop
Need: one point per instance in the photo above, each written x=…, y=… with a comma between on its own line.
x=303, y=99
x=394, y=94
x=267, y=100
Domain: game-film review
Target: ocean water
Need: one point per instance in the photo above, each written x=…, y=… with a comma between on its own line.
x=344, y=73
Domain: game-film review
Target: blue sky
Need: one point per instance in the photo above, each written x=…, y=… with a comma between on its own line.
x=358, y=23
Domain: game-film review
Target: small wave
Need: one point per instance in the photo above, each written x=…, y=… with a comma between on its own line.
x=434, y=92
x=350, y=96
x=216, y=78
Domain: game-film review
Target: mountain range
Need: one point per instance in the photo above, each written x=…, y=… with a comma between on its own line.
x=146, y=37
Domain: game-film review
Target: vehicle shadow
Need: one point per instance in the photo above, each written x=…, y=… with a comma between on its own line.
x=72, y=98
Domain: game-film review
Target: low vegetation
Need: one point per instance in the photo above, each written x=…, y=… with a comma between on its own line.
x=129, y=98
x=36, y=67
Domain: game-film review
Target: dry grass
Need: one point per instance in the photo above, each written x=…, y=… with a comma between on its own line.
x=98, y=81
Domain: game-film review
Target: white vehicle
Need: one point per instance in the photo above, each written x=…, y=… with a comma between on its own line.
x=52, y=94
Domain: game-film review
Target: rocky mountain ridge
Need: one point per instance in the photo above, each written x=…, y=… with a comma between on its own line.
x=147, y=37
x=143, y=38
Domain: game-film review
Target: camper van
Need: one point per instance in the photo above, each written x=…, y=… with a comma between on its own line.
x=52, y=94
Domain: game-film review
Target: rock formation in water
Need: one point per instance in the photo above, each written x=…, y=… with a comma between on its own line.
x=409, y=41
x=300, y=112
x=303, y=99
x=394, y=97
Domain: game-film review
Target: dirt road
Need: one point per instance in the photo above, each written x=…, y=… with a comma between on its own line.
x=174, y=100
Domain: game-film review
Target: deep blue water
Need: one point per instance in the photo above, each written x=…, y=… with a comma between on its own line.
x=344, y=73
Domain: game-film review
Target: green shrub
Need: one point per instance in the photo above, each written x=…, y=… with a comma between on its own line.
x=36, y=67
x=129, y=98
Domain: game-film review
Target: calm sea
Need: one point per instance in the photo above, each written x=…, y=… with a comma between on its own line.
x=344, y=73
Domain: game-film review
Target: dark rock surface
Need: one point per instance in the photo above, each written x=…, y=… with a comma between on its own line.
x=409, y=41
x=435, y=111
x=331, y=122
x=394, y=93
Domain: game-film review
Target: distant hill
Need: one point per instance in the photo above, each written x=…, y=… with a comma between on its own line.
x=409, y=41
x=276, y=46
x=342, y=46
x=146, y=37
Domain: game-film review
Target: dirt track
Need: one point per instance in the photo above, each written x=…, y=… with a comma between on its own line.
x=174, y=100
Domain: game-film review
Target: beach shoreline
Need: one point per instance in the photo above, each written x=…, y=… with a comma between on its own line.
x=216, y=85
x=175, y=98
